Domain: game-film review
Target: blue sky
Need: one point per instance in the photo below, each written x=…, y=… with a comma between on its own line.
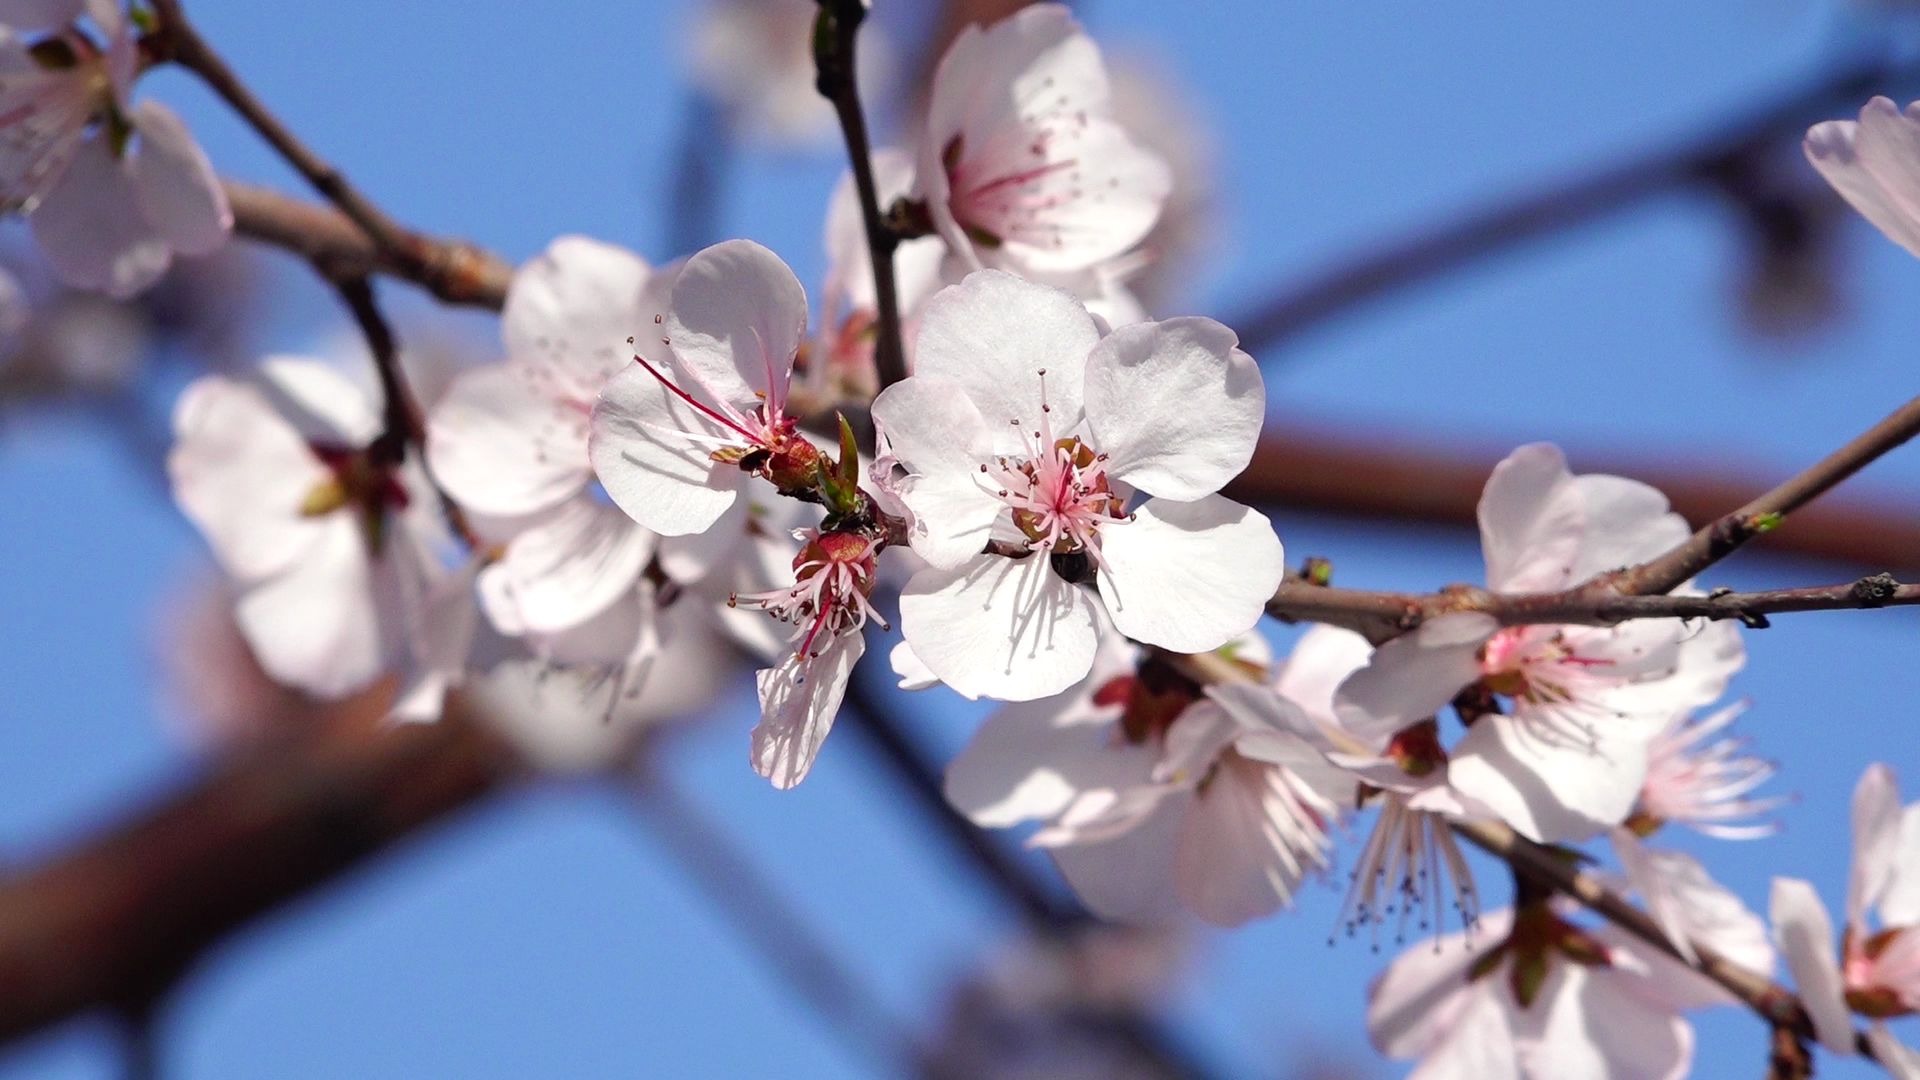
x=548, y=933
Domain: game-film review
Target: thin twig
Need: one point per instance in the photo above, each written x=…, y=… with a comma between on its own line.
x=1723, y=537
x=178, y=40
x=1384, y=614
x=834, y=60
x=756, y=910
x=1772, y=1002
x=403, y=426
x=1506, y=223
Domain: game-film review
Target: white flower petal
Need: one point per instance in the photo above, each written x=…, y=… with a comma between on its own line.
x=321, y=626
x=580, y=557
x=938, y=435
x=736, y=318
x=1900, y=1062
x=1320, y=662
x=1175, y=406
x=1412, y=677
x=1189, y=576
x=178, y=190
x=798, y=701
x=1247, y=842
x=241, y=473
x=1550, y=788
x=90, y=227
x=498, y=447
x=1031, y=760
x=1900, y=900
x=1596, y=1028
x=30, y=15
x=1876, y=839
x=1804, y=935
x=913, y=674
x=1421, y=998
x=993, y=334
x=1532, y=521
x=571, y=311
x=998, y=627
x=322, y=404
x=1129, y=877
x=1874, y=165
x=661, y=478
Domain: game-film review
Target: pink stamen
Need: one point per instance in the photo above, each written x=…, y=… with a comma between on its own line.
x=689, y=399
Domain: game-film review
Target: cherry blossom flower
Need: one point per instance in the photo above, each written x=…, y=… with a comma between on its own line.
x=828, y=604
x=1877, y=973
x=1022, y=164
x=1527, y=994
x=508, y=442
x=755, y=59
x=1154, y=797
x=1874, y=163
x=1705, y=785
x=1570, y=758
x=328, y=544
x=1023, y=425
x=112, y=189
x=675, y=437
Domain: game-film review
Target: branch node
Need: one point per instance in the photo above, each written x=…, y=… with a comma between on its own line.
x=1874, y=591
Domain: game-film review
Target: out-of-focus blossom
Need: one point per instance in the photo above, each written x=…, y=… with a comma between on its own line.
x=112, y=189
x=1570, y=757
x=1527, y=994
x=754, y=58
x=508, y=442
x=1023, y=425
x=1874, y=163
x=1877, y=973
x=1162, y=116
x=1022, y=164
x=1705, y=782
x=1154, y=797
x=328, y=542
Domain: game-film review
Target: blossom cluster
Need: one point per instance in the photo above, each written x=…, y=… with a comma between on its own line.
x=670, y=453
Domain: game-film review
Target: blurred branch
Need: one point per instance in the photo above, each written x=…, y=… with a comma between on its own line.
x=1439, y=483
x=1702, y=161
x=756, y=911
x=116, y=920
x=178, y=40
x=1046, y=913
x=834, y=53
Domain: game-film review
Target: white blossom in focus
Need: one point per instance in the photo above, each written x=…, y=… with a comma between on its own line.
x=1022, y=164
x=1023, y=425
x=1569, y=757
x=1877, y=971
x=1874, y=163
x=113, y=189
x=703, y=407
x=328, y=545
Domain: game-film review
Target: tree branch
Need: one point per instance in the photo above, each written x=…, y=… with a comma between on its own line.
x=454, y=271
x=115, y=921
x=1507, y=223
x=834, y=60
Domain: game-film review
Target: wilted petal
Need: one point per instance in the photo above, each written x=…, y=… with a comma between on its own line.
x=998, y=627
x=1189, y=576
x=1175, y=406
x=798, y=701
